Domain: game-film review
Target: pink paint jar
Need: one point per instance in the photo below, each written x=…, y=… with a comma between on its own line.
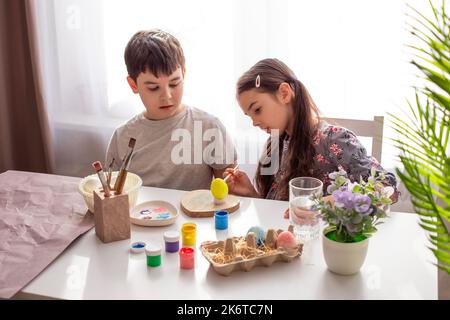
x=187, y=258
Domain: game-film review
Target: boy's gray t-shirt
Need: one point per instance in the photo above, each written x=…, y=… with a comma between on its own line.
x=176, y=153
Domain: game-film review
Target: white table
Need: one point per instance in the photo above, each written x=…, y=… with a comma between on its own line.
x=398, y=264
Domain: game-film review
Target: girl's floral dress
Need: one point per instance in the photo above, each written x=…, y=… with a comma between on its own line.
x=336, y=148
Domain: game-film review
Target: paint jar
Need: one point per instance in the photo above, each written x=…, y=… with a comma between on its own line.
x=172, y=241
x=187, y=258
x=137, y=247
x=188, y=234
x=153, y=253
x=221, y=219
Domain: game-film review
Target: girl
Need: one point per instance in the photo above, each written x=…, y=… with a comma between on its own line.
x=272, y=96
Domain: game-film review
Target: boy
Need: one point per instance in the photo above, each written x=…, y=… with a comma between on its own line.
x=170, y=150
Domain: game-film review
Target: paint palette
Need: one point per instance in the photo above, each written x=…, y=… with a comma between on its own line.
x=154, y=214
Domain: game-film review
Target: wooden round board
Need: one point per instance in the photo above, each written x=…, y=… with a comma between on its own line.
x=200, y=204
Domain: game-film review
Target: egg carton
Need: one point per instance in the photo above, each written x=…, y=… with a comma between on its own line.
x=249, y=257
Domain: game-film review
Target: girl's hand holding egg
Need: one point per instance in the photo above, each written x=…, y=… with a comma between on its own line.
x=219, y=189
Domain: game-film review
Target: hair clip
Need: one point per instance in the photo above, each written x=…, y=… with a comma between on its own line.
x=258, y=81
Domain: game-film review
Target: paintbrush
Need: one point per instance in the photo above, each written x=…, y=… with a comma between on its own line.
x=110, y=172
x=101, y=175
x=120, y=182
x=229, y=175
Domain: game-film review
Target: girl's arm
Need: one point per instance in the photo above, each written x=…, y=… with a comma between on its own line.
x=239, y=183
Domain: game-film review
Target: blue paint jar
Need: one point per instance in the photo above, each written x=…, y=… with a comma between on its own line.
x=221, y=219
x=137, y=247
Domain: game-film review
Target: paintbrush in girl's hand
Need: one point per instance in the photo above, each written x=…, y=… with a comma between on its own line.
x=120, y=182
x=101, y=175
x=110, y=172
x=229, y=175
x=219, y=187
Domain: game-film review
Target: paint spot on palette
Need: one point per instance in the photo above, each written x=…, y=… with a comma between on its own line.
x=154, y=213
x=158, y=213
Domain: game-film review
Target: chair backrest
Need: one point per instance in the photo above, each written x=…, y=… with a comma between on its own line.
x=364, y=128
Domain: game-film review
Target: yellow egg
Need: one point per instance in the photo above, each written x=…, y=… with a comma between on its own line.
x=219, y=188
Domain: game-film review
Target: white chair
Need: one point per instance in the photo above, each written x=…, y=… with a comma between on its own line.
x=364, y=128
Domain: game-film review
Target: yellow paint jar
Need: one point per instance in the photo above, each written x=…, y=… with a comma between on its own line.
x=188, y=234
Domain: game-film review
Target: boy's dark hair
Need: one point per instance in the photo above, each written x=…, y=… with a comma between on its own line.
x=153, y=50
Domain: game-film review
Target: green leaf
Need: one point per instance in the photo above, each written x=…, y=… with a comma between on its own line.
x=424, y=136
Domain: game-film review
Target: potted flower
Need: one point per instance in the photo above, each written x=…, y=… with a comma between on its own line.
x=352, y=212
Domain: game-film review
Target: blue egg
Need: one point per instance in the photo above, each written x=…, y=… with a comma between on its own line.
x=260, y=235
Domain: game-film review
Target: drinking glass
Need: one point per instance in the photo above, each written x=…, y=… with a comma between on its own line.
x=303, y=192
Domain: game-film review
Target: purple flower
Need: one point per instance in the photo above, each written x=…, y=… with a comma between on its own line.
x=344, y=199
x=362, y=203
x=338, y=198
x=357, y=206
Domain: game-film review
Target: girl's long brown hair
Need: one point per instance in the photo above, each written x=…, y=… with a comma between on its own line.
x=272, y=73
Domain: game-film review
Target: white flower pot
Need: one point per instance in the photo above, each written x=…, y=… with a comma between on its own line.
x=344, y=258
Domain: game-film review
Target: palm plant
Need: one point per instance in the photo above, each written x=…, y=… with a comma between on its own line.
x=424, y=135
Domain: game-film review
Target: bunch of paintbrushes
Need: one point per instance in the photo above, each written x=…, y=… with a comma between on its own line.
x=105, y=180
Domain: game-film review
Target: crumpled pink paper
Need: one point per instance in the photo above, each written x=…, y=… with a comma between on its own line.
x=40, y=215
